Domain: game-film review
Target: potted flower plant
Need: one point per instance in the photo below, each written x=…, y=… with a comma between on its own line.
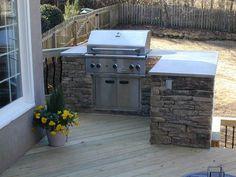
x=55, y=119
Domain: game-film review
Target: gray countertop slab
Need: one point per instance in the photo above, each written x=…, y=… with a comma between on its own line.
x=172, y=62
x=78, y=51
x=185, y=63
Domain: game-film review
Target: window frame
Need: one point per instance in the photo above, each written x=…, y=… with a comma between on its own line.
x=23, y=104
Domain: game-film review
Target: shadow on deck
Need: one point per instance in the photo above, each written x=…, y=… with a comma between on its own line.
x=113, y=146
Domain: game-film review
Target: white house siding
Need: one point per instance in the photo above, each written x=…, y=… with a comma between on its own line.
x=17, y=137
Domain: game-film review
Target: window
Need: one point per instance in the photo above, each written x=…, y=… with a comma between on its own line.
x=17, y=94
x=10, y=73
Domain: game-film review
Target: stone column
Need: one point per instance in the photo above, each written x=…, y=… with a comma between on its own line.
x=181, y=115
x=146, y=86
x=77, y=86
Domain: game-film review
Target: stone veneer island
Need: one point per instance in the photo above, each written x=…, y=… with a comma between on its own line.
x=177, y=93
x=182, y=97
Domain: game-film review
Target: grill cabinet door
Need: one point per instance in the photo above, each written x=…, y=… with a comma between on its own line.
x=105, y=92
x=128, y=95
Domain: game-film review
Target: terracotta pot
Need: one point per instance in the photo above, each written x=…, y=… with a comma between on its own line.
x=56, y=140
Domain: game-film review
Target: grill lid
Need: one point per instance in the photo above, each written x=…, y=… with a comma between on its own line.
x=117, y=42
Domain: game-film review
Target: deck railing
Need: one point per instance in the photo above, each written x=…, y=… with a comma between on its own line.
x=52, y=68
x=228, y=133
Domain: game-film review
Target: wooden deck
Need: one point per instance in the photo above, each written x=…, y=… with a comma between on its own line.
x=116, y=146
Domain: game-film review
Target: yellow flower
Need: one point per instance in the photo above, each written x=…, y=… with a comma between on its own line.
x=71, y=116
x=65, y=132
x=53, y=133
x=51, y=123
x=63, y=127
x=77, y=124
x=37, y=115
x=76, y=116
x=58, y=112
x=58, y=127
x=39, y=108
x=65, y=114
x=44, y=120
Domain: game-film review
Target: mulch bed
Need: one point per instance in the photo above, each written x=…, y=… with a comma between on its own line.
x=191, y=34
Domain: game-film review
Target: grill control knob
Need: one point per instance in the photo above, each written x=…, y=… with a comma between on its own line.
x=138, y=67
x=115, y=66
x=99, y=65
x=92, y=65
x=131, y=67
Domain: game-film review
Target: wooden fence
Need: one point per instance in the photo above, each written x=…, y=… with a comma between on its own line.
x=178, y=16
x=78, y=28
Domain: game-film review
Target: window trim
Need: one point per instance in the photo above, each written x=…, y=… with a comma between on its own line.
x=20, y=106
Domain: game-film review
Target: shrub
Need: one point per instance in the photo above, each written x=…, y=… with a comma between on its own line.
x=71, y=9
x=50, y=16
x=45, y=24
x=52, y=2
x=56, y=100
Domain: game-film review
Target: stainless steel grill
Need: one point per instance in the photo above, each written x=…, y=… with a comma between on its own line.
x=116, y=59
x=123, y=42
x=117, y=52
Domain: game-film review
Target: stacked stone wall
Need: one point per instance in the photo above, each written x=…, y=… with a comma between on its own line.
x=146, y=86
x=77, y=86
x=182, y=115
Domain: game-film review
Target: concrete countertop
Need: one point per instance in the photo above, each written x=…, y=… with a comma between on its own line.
x=184, y=63
x=77, y=51
x=172, y=62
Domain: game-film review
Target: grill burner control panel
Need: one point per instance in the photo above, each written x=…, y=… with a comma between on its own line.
x=115, y=66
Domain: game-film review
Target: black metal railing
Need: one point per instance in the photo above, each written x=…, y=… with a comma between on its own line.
x=228, y=133
x=52, y=68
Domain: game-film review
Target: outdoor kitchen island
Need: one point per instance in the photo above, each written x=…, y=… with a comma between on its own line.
x=182, y=97
x=123, y=75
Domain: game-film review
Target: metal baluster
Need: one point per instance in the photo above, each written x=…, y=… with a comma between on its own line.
x=46, y=76
x=226, y=136
x=233, y=137
x=60, y=60
x=54, y=72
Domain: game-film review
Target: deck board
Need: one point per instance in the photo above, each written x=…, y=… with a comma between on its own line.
x=108, y=145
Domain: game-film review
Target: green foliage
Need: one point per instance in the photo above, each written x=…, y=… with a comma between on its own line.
x=45, y=24
x=52, y=2
x=76, y=7
x=71, y=9
x=50, y=16
x=67, y=10
x=55, y=102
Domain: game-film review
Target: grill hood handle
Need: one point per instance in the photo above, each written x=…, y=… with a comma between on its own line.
x=115, y=56
x=116, y=49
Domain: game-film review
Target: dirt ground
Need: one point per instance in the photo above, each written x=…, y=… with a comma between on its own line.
x=225, y=88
